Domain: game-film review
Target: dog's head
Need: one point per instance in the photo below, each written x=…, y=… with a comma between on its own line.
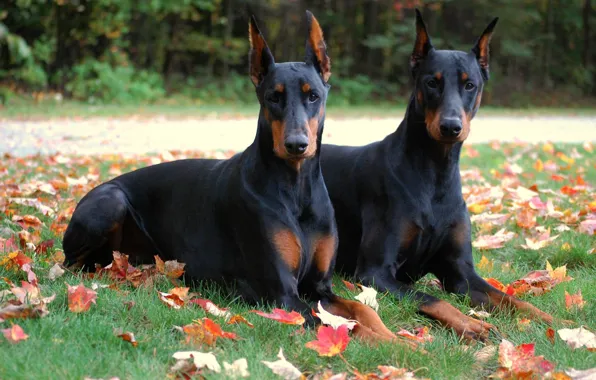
x=449, y=83
x=292, y=94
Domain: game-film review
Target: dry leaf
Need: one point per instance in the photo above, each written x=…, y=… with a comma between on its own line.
x=126, y=336
x=574, y=300
x=55, y=272
x=578, y=338
x=283, y=368
x=479, y=314
x=80, y=298
x=588, y=374
x=239, y=368
x=14, y=334
x=237, y=319
x=368, y=296
x=333, y=320
x=280, y=315
x=200, y=359
x=212, y=308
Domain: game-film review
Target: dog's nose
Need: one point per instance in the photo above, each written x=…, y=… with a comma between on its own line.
x=296, y=144
x=451, y=127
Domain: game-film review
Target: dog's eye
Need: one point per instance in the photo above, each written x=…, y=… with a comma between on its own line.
x=469, y=86
x=313, y=97
x=432, y=83
x=274, y=97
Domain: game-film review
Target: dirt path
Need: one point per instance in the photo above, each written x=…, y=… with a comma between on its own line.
x=106, y=135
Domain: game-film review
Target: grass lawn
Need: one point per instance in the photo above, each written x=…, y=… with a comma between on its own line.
x=65, y=345
x=21, y=108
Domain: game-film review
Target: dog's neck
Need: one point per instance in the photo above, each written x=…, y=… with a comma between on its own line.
x=434, y=161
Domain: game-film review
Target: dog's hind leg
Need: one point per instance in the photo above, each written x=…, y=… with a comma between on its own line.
x=95, y=229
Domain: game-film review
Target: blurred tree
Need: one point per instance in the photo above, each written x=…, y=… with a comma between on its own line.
x=541, y=52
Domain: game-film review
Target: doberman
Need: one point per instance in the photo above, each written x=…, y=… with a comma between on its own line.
x=398, y=202
x=261, y=220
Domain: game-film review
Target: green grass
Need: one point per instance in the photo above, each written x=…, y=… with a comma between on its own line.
x=22, y=108
x=72, y=346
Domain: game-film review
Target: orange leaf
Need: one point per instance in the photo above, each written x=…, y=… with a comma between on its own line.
x=205, y=331
x=520, y=362
x=568, y=190
x=15, y=260
x=126, y=336
x=421, y=335
x=280, y=315
x=80, y=298
x=550, y=335
x=14, y=334
x=237, y=319
x=526, y=218
x=330, y=341
x=171, y=300
x=574, y=300
x=171, y=268
x=27, y=221
x=349, y=285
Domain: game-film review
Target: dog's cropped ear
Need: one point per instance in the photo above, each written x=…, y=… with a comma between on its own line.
x=316, y=50
x=260, y=58
x=480, y=50
x=422, y=45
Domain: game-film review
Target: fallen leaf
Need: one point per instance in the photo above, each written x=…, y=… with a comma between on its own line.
x=200, y=359
x=181, y=292
x=588, y=374
x=368, y=296
x=171, y=268
x=497, y=240
x=539, y=241
x=389, y=372
x=212, y=308
x=422, y=334
x=280, y=315
x=588, y=226
x=29, y=294
x=334, y=321
x=171, y=300
x=330, y=341
x=479, y=314
x=237, y=319
x=526, y=218
x=15, y=260
x=27, y=221
x=485, y=354
x=23, y=311
x=14, y=334
x=485, y=264
x=238, y=368
x=574, y=300
x=550, y=335
x=126, y=336
x=520, y=361
x=349, y=285
x=283, y=368
x=578, y=338
x=55, y=272
x=80, y=298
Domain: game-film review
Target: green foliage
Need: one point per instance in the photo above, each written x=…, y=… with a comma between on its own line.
x=96, y=81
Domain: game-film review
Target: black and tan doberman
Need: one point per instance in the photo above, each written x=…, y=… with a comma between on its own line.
x=261, y=220
x=398, y=202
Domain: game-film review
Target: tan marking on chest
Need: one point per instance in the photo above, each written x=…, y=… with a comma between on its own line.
x=324, y=251
x=408, y=232
x=288, y=247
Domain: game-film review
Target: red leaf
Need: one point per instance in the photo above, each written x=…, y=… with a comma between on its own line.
x=574, y=300
x=171, y=300
x=14, y=334
x=44, y=246
x=349, y=285
x=80, y=298
x=330, y=341
x=520, y=362
x=568, y=190
x=8, y=244
x=280, y=315
x=210, y=307
x=237, y=319
x=550, y=335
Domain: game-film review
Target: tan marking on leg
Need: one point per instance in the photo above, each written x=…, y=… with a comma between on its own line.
x=324, y=249
x=501, y=300
x=465, y=326
x=288, y=247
